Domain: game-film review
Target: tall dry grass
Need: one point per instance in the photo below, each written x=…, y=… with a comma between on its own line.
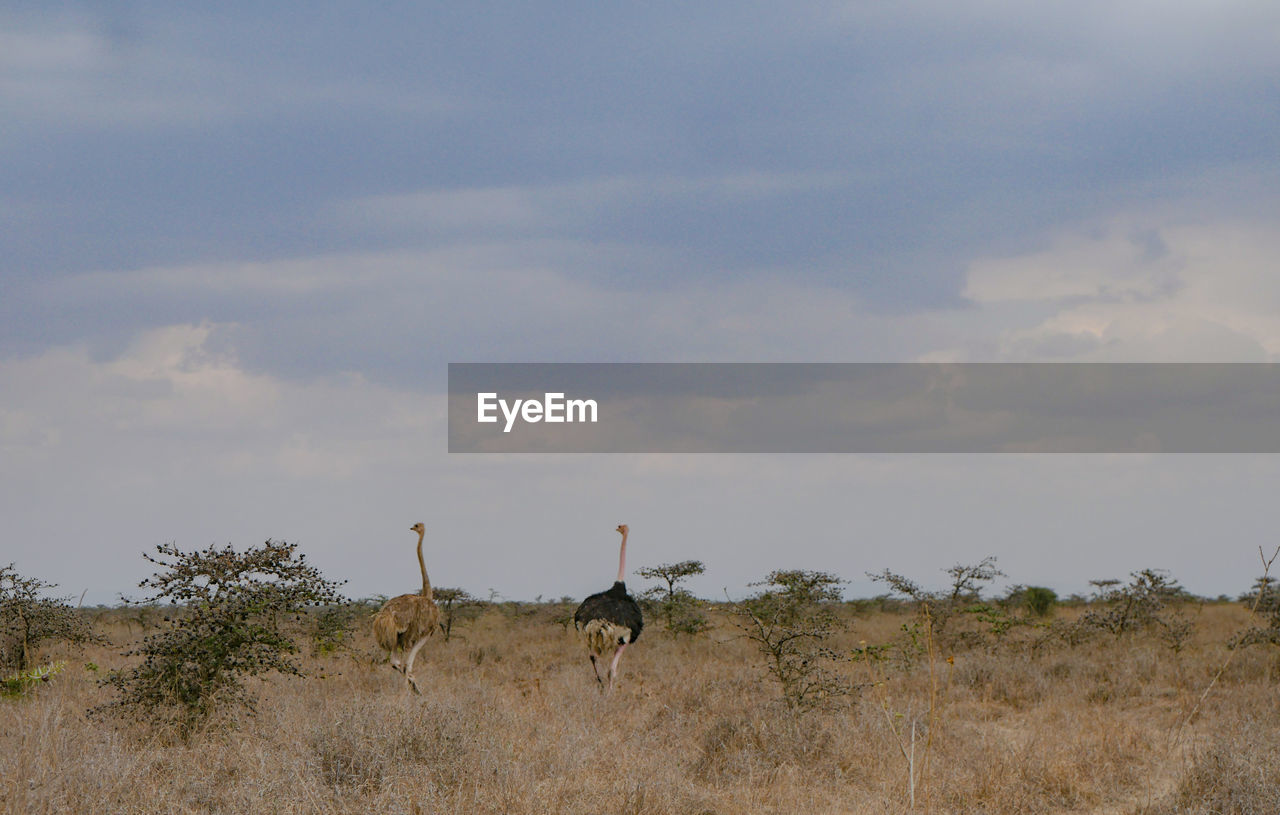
x=511, y=723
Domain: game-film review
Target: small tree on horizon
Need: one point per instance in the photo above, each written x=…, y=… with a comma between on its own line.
x=1038, y=600
x=679, y=609
x=1263, y=596
x=453, y=602
x=28, y=618
x=967, y=583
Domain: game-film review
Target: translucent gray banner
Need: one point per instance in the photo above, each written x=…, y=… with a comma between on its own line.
x=863, y=408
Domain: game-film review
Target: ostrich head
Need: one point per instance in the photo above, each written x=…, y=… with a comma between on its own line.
x=622, y=528
x=418, y=527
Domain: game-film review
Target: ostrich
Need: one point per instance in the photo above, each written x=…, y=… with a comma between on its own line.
x=610, y=620
x=405, y=622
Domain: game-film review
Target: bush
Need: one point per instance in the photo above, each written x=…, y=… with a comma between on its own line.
x=27, y=619
x=1039, y=600
x=230, y=625
x=455, y=604
x=939, y=607
x=1265, y=602
x=791, y=621
x=679, y=610
x=1142, y=604
x=333, y=625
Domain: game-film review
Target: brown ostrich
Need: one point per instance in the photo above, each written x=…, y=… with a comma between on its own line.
x=610, y=620
x=404, y=623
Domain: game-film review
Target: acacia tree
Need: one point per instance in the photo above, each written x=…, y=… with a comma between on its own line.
x=790, y=621
x=454, y=603
x=28, y=619
x=967, y=582
x=1139, y=604
x=1265, y=603
x=1263, y=597
x=679, y=608
x=229, y=624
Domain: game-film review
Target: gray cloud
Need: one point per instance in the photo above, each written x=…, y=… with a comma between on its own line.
x=171, y=440
x=163, y=137
x=239, y=244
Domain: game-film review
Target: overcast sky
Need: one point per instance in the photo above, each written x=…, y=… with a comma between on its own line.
x=239, y=245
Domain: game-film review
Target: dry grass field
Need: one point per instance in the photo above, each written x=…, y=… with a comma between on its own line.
x=511, y=722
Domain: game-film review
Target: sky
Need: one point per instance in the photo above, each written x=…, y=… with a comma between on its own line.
x=239, y=246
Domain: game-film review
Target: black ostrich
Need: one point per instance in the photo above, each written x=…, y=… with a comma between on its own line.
x=610, y=620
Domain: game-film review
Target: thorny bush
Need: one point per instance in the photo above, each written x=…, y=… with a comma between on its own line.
x=230, y=622
x=791, y=621
x=678, y=608
x=28, y=619
x=1150, y=601
x=939, y=608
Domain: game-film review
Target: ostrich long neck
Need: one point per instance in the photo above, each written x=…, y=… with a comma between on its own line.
x=422, y=564
x=622, y=560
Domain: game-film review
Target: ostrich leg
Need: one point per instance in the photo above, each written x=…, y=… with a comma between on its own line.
x=408, y=668
x=613, y=666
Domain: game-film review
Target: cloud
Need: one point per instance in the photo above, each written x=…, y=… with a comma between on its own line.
x=182, y=383
x=1119, y=265
x=237, y=248
x=173, y=439
x=402, y=315
x=875, y=152
x=1142, y=290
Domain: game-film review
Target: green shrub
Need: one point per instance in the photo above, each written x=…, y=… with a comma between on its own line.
x=791, y=621
x=28, y=619
x=1039, y=600
x=938, y=608
x=679, y=610
x=455, y=605
x=230, y=624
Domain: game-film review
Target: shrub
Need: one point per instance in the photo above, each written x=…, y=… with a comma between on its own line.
x=679, y=610
x=1263, y=597
x=967, y=582
x=455, y=604
x=333, y=626
x=230, y=625
x=28, y=619
x=790, y=621
x=1144, y=603
x=1039, y=600
x=1264, y=601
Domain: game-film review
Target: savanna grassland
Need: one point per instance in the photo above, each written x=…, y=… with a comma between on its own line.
x=1019, y=721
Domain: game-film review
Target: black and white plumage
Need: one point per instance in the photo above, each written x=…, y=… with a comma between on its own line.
x=610, y=620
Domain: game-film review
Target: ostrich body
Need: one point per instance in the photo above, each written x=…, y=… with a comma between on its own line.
x=404, y=623
x=610, y=620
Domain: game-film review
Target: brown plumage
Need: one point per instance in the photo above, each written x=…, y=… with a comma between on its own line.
x=404, y=623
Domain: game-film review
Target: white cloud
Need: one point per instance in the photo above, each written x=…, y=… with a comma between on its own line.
x=1141, y=290
x=504, y=300
x=169, y=391
x=1122, y=264
x=172, y=439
